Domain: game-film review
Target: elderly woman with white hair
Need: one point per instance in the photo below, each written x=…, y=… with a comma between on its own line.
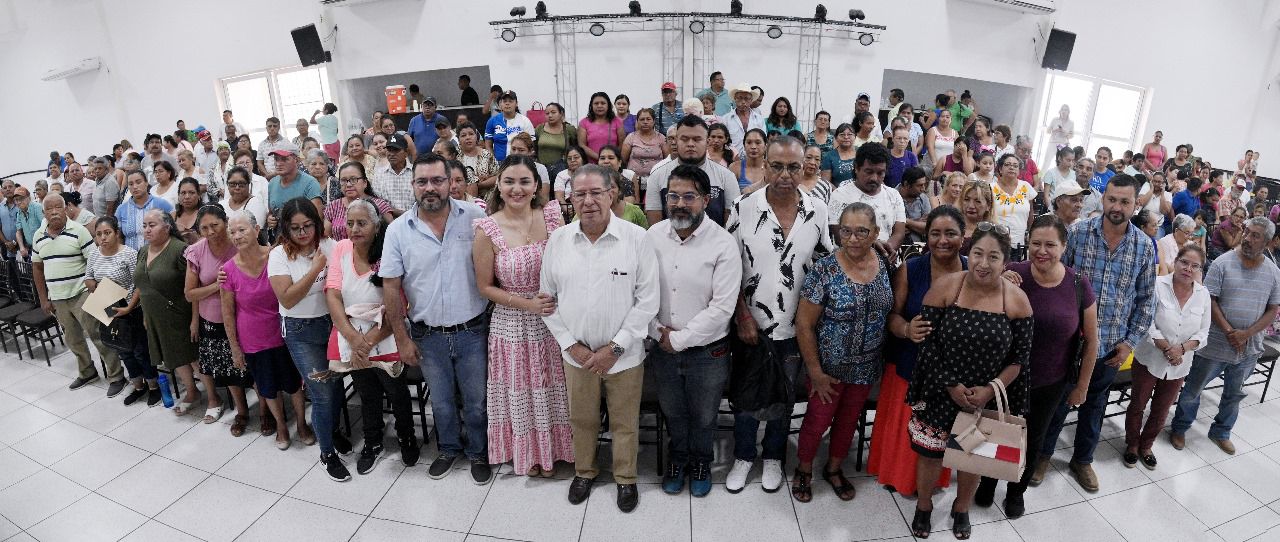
x=172, y=330
x=319, y=166
x=1167, y=247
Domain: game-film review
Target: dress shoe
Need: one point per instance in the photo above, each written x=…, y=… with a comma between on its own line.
x=580, y=489
x=628, y=497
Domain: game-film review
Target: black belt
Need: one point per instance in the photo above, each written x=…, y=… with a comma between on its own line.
x=705, y=347
x=478, y=321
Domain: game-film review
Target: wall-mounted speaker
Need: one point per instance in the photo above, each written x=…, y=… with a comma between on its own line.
x=310, y=51
x=1057, y=52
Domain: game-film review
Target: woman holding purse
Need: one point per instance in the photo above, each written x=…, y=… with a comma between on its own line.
x=113, y=260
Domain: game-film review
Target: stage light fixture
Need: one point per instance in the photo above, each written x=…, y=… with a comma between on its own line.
x=697, y=27
x=820, y=14
x=518, y=11
x=774, y=32
x=866, y=39
x=735, y=7
x=540, y=10
x=634, y=7
x=596, y=29
x=856, y=15
x=508, y=35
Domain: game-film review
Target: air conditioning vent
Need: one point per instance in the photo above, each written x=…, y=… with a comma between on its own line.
x=84, y=66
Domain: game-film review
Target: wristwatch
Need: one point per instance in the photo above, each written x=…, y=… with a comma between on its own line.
x=617, y=350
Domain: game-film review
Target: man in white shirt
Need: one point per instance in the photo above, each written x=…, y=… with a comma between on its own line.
x=869, y=166
x=780, y=231
x=1093, y=199
x=273, y=142
x=862, y=104
x=699, y=270
x=229, y=120
x=691, y=148
x=55, y=174
x=603, y=273
x=743, y=118
x=205, y=154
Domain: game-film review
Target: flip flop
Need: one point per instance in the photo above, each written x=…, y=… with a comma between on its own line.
x=213, y=414
x=238, y=425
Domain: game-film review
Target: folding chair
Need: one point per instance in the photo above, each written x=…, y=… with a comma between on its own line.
x=36, y=323
x=22, y=293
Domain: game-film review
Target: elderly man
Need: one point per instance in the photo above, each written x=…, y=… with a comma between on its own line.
x=206, y=153
x=603, y=273
x=73, y=181
x=426, y=259
x=304, y=131
x=28, y=218
x=1245, y=288
x=668, y=112
x=1092, y=205
x=393, y=179
x=1068, y=200
x=743, y=117
x=780, y=231
x=869, y=166
x=8, y=219
x=290, y=182
x=699, y=270
x=691, y=149
x=60, y=254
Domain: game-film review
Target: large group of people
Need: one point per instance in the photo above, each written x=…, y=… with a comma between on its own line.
x=530, y=272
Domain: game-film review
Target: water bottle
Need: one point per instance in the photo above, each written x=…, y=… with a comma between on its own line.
x=166, y=393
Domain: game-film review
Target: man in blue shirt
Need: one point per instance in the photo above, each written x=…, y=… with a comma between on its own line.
x=724, y=101
x=422, y=128
x=8, y=219
x=1187, y=202
x=669, y=111
x=290, y=182
x=29, y=215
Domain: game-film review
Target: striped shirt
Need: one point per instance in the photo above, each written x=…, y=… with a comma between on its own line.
x=1243, y=295
x=118, y=267
x=1123, y=281
x=64, y=257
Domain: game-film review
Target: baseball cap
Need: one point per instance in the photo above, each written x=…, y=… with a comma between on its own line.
x=204, y=135
x=287, y=150
x=397, y=141
x=862, y=95
x=1069, y=189
x=430, y=100
x=668, y=86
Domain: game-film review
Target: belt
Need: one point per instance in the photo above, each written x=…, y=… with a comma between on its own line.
x=705, y=347
x=480, y=320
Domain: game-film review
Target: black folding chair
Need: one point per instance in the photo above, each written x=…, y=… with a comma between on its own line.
x=22, y=294
x=36, y=323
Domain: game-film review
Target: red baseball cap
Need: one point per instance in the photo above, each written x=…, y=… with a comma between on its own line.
x=668, y=86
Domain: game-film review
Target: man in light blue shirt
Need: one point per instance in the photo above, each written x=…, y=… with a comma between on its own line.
x=8, y=219
x=28, y=216
x=427, y=256
x=724, y=100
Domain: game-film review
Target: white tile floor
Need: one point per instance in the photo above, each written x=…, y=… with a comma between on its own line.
x=77, y=466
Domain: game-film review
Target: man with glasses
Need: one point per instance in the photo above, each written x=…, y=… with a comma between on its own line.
x=603, y=273
x=869, y=167
x=780, y=231
x=426, y=258
x=691, y=149
x=1245, y=289
x=273, y=142
x=393, y=180
x=699, y=270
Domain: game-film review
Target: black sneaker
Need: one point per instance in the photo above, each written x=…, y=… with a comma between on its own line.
x=341, y=444
x=153, y=397
x=81, y=381
x=335, y=467
x=135, y=396
x=1130, y=459
x=1148, y=460
x=441, y=466
x=481, y=471
x=409, y=451
x=116, y=387
x=369, y=457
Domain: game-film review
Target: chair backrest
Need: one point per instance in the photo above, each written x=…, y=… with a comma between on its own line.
x=6, y=279
x=26, y=283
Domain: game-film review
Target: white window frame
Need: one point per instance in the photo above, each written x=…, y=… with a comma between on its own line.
x=1086, y=135
x=273, y=90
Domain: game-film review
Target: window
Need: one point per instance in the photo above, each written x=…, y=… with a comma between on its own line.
x=1102, y=113
x=286, y=93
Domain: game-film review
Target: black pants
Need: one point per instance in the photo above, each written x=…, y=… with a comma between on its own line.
x=1043, y=402
x=371, y=384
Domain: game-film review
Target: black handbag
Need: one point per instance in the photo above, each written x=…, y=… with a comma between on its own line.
x=1078, y=353
x=758, y=380
x=119, y=334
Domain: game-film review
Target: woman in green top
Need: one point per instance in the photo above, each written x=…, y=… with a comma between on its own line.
x=553, y=137
x=160, y=277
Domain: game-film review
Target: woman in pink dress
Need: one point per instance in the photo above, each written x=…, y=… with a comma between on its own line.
x=528, y=404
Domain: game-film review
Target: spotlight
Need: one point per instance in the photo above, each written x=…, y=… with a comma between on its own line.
x=634, y=6
x=856, y=15
x=735, y=7
x=518, y=11
x=540, y=10
x=774, y=32
x=820, y=14
x=596, y=29
x=866, y=39
x=697, y=27
x=508, y=35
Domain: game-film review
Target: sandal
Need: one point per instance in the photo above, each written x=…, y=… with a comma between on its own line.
x=182, y=409
x=843, y=488
x=802, y=486
x=548, y=472
x=268, y=426
x=535, y=471
x=960, y=525
x=922, y=523
x=213, y=414
x=238, y=425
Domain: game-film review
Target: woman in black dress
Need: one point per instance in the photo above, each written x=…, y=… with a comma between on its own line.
x=982, y=330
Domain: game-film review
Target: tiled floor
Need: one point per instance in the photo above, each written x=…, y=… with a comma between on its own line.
x=76, y=466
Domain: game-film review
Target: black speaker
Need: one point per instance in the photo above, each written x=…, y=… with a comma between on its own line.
x=310, y=50
x=1057, y=53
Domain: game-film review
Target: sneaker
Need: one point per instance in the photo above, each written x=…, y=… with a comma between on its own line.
x=80, y=381
x=771, y=477
x=369, y=457
x=700, y=480
x=341, y=444
x=116, y=387
x=153, y=397
x=737, y=478
x=409, y=451
x=134, y=396
x=673, y=481
x=481, y=471
x=1148, y=460
x=1042, y=468
x=1085, y=476
x=441, y=466
x=335, y=467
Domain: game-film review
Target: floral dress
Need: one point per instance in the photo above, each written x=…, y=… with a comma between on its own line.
x=527, y=400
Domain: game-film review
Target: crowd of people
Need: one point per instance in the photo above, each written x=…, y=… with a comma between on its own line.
x=528, y=272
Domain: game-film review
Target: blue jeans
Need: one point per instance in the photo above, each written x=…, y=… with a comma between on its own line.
x=1088, y=417
x=690, y=385
x=137, y=360
x=1203, y=371
x=308, y=342
x=746, y=425
x=460, y=360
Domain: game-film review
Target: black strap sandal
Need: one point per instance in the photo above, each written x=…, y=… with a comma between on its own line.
x=922, y=523
x=843, y=488
x=802, y=486
x=960, y=525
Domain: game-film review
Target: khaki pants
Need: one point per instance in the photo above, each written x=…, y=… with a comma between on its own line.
x=623, y=393
x=76, y=325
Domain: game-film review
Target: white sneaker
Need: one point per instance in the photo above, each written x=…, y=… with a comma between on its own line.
x=737, y=478
x=771, y=478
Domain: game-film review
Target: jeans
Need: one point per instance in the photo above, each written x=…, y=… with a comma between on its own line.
x=1088, y=417
x=690, y=386
x=1042, y=407
x=371, y=385
x=308, y=342
x=457, y=360
x=1203, y=371
x=137, y=360
x=746, y=425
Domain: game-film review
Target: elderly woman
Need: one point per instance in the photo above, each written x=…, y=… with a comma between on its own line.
x=41, y=190
x=130, y=212
x=811, y=182
x=982, y=332
x=355, y=185
x=217, y=183
x=160, y=277
x=111, y=259
x=478, y=159
x=187, y=166
x=1168, y=247
x=240, y=196
x=1163, y=359
x=891, y=457
x=184, y=214
x=258, y=184
x=317, y=162
x=74, y=212
x=976, y=203
x=252, y=323
x=844, y=303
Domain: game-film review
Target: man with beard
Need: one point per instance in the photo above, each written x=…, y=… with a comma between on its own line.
x=427, y=256
x=870, y=164
x=1245, y=288
x=699, y=271
x=691, y=149
x=780, y=231
x=1118, y=259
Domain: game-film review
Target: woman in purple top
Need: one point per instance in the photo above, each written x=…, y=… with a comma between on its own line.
x=1051, y=288
x=251, y=315
x=900, y=157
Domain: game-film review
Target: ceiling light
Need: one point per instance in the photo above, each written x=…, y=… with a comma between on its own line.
x=508, y=35
x=518, y=11
x=856, y=15
x=697, y=27
x=866, y=39
x=634, y=7
x=596, y=29
x=820, y=13
x=774, y=32
x=735, y=7
x=540, y=10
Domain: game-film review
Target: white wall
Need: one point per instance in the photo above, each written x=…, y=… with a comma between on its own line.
x=158, y=71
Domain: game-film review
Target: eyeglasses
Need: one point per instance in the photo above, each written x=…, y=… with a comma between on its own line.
x=988, y=226
x=350, y=180
x=1191, y=265
x=593, y=194
x=422, y=182
x=688, y=198
x=234, y=184
x=299, y=230
x=779, y=167
x=859, y=233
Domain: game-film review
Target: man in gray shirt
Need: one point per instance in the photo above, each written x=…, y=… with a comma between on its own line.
x=106, y=192
x=1245, y=286
x=916, y=204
